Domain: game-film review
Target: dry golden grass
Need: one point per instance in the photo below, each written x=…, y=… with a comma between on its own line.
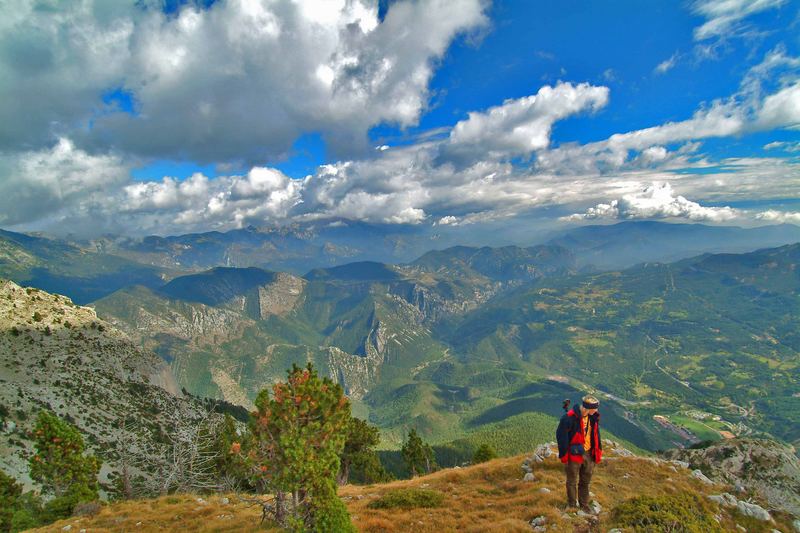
x=169, y=513
x=490, y=497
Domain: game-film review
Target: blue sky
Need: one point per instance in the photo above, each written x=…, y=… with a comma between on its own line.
x=189, y=116
x=617, y=44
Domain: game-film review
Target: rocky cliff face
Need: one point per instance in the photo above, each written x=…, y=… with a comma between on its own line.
x=232, y=349
x=442, y=299
x=192, y=323
x=281, y=296
x=764, y=467
x=60, y=357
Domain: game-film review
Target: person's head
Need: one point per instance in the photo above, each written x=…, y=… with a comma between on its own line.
x=589, y=405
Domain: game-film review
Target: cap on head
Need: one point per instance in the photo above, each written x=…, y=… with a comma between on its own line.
x=590, y=402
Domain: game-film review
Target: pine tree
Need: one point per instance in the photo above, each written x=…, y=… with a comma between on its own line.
x=230, y=466
x=297, y=437
x=417, y=454
x=60, y=465
x=359, y=453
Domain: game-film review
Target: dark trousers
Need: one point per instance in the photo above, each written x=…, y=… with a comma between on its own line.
x=579, y=475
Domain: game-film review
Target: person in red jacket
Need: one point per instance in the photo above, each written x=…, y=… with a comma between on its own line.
x=580, y=448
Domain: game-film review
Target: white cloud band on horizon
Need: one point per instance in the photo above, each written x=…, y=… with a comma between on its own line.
x=404, y=186
x=659, y=201
x=655, y=201
x=772, y=215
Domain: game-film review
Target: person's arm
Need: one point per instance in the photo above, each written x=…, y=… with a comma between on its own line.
x=599, y=439
x=562, y=436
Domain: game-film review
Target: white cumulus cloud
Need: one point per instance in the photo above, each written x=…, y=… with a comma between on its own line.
x=749, y=110
x=655, y=201
x=40, y=184
x=772, y=215
x=238, y=81
x=523, y=125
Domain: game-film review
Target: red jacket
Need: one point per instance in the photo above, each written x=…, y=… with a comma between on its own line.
x=571, y=440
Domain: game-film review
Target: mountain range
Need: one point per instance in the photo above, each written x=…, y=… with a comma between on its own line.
x=475, y=344
x=88, y=270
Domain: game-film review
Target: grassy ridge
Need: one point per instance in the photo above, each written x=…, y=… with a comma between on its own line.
x=490, y=497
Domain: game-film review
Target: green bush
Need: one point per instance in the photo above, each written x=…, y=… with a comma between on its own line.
x=64, y=506
x=329, y=512
x=23, y=520
x=408, y=499
x=680, y=513
x=25, y=512
x=483, y=453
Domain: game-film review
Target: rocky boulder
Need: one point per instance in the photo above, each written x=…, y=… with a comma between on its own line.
x=768, y=468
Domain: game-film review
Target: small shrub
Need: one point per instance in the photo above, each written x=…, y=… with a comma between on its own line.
x=87, y=509
x=679, y=513
x=59, y=507
x=408, y=499
x=37, y=316
x=330, y=513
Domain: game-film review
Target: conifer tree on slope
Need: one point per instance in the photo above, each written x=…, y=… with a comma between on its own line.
x=417, y=454
x=60, y=465
x=298, y=434
x=359, y=453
